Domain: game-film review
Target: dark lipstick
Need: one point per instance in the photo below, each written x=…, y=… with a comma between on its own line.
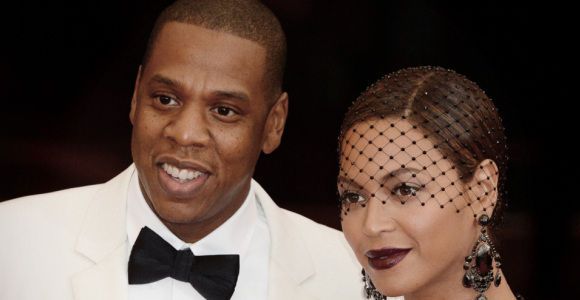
x=386, y=258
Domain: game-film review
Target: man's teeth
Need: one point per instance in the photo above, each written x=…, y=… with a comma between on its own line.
x=181, y=174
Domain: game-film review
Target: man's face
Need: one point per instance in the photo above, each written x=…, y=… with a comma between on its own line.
x=200, y=118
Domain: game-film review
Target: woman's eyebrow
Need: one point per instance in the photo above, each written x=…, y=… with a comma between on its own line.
x=399, y=172
x=342, y=179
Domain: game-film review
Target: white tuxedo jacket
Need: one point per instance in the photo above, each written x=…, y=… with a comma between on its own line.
x=72, y=244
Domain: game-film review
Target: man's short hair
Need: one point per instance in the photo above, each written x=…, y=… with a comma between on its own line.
x=248, y=19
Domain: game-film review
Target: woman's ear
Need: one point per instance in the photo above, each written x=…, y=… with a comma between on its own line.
x=483, y=186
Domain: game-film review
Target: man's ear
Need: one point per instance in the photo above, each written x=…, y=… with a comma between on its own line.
x=134, y=97
x=274, y=127
x=483, y=186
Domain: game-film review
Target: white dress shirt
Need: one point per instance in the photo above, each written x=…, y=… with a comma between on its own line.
x=246, y=233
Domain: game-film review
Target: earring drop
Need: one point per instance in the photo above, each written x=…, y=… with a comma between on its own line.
x=478, y=265
x=369, y=288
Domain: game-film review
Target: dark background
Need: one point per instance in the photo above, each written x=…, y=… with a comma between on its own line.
x=67, y=73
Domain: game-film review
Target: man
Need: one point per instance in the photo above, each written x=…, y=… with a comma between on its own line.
x=207, y=101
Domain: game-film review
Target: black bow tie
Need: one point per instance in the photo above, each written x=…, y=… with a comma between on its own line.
x=152, y=259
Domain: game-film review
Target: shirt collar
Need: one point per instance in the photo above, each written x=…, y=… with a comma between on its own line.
x=232, y=237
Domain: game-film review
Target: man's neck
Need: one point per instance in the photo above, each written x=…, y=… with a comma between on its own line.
x=193, y=232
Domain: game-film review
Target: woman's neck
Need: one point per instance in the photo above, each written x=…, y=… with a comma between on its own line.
x=454, y=290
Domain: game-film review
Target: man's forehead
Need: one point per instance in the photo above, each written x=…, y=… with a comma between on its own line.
x=178, y=30
x=193, y=57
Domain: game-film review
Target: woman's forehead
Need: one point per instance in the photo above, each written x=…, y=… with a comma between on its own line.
x=391, y=137
x=390, y=144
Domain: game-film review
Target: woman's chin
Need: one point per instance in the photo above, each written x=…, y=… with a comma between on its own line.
x=391, y=287
x=391, y=292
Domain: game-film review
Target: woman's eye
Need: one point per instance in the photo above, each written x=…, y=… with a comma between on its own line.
x=167, y=101
x=406, y=189
x=352, y=197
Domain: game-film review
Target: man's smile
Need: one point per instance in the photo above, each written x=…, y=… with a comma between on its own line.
x=181, y=180
x=181, y=175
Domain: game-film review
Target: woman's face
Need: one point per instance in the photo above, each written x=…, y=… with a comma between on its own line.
x=406, y=213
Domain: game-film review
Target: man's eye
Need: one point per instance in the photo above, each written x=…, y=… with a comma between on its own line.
x=351, y=197
x=167, y=101
x=406, y=190
x=224, y=111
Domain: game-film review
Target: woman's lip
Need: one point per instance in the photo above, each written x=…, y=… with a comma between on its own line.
x=386, y=258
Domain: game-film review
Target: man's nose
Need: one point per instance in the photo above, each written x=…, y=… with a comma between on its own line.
x=189, y=127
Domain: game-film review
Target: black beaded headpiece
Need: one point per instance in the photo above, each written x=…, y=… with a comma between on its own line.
x=415, y=135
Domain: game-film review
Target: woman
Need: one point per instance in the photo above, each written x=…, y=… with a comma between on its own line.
x=422, y=165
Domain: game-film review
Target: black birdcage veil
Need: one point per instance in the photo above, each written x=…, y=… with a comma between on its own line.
x=418, y=137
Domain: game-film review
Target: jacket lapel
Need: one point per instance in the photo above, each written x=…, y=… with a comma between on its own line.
x=103, y=240
x=290, y=261
x=282, y=286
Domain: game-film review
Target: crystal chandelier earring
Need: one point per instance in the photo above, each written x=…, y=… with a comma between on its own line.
x=370, y=290
x=478, y=265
